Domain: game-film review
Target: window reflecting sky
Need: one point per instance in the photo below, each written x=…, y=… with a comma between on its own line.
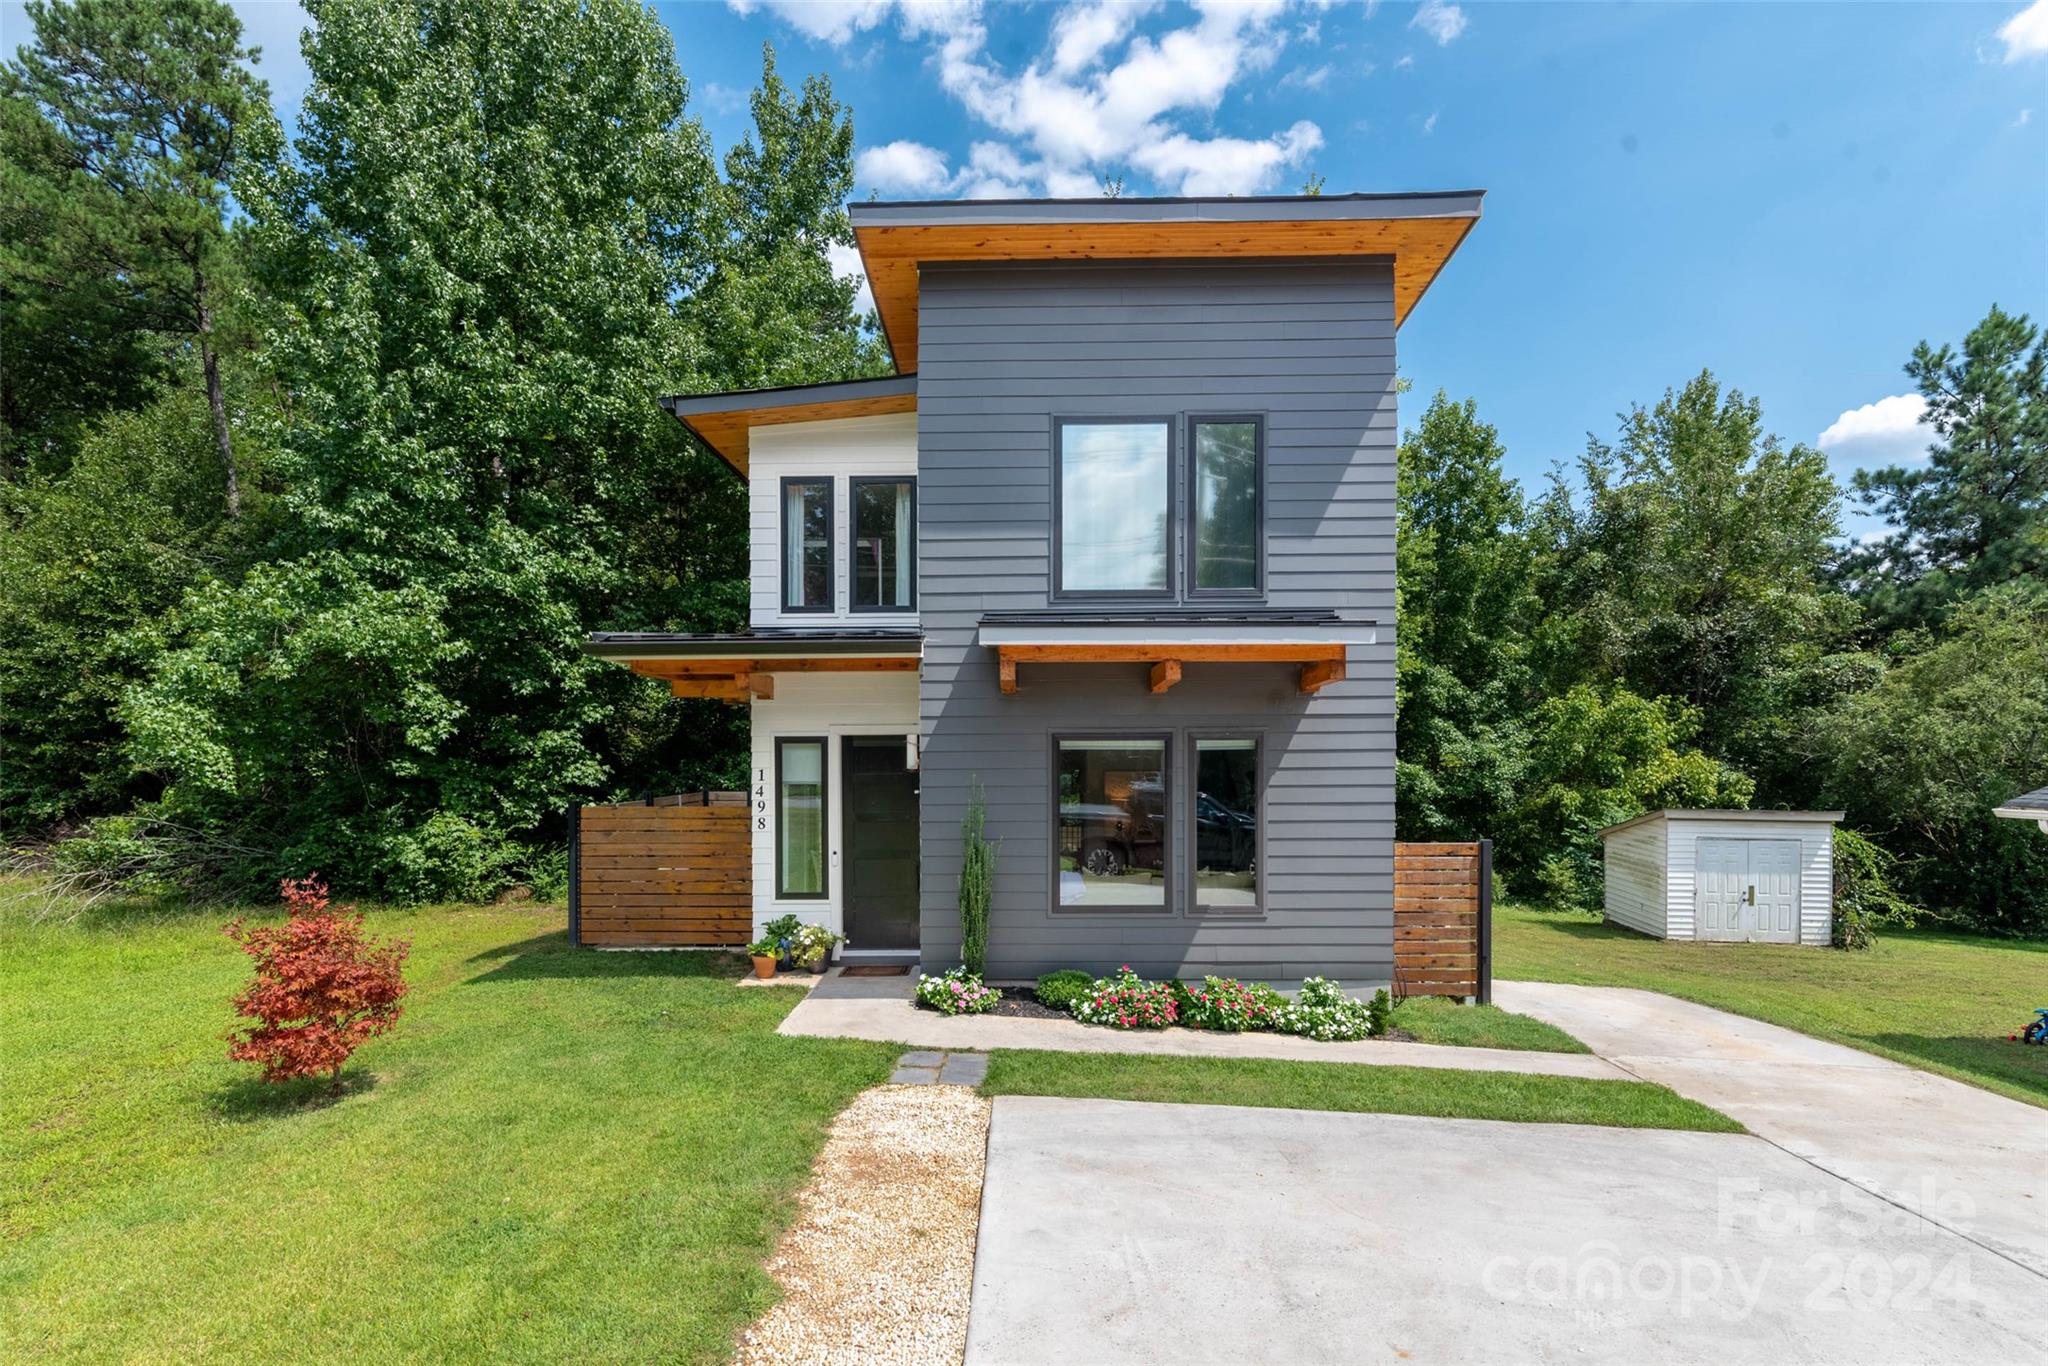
x=1114, y=495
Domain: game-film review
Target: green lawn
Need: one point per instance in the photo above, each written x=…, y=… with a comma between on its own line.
x=1433, y=1019
x=1943, y=1002
x=558, y=1155
x=1267, y=1082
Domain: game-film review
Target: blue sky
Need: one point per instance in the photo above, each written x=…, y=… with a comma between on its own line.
x=1791, y=195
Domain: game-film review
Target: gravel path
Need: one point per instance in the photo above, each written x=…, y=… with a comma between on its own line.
x=881, y=1260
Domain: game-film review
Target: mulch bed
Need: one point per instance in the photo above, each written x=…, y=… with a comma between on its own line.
x=1022, y=1003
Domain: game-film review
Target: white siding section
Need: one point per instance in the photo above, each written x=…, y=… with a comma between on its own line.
x=1635, y=878
x=848, y=448
x=832, y=705
x=1652, y=868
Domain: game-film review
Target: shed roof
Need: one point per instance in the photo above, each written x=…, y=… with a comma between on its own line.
x=726, y=421
x=2025, y=807
x=1418, y=231
x=1818, y=817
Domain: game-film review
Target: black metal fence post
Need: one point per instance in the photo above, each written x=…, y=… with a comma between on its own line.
x=1486, y=922
x=575, y=868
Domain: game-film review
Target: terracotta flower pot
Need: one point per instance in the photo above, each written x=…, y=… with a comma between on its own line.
x=764, y=964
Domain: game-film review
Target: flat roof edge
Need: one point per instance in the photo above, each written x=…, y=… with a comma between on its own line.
x=790, y=395
x=1815, y=817
x=1169, y=209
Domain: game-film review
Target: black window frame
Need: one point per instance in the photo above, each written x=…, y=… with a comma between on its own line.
x=853, y=488
x=1259, y=781
x=824, y=744
x=1171, y=592
x=831, y=533
x=1191, y=531
x=1169, y=871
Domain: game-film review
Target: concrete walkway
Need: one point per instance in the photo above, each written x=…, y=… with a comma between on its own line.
x=1127, y=1232
x=1971, y=1161
x=881, y=1008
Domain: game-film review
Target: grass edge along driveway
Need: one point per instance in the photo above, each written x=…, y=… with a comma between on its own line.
x=1943, y=1003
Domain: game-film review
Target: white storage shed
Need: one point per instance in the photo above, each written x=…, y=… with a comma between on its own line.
x=1758, y=876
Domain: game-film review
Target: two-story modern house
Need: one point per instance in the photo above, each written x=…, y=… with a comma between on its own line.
x=1115, y=550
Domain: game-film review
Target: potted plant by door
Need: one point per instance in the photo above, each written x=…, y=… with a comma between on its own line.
x=813, y=947
x=781, y=934
x=764, y=953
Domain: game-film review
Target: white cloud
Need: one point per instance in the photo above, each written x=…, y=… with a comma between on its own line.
x=1882, y=433
x=2026, y=116
x=1444, y=22
x=2026, y=33
x=1429, y=124
x=1406, y=63
x=1308, y=78
x=832, y=21
x=902, y=166
x=846, y=265
x=1219, y=166
x=1102, y=97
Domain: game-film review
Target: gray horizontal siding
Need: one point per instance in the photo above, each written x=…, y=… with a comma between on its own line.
x=1002, y=352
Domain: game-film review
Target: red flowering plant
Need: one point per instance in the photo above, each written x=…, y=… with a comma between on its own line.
x=321, y=990
x=1230, y=1006
x=1127, y=1001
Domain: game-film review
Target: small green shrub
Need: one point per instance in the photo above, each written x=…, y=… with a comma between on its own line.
x=1127, y=1001
x=1059, y=990
x=1321, y=1010
x=977, y=884
x=1228, y=1006
x=1864, y=895
x=958, y=992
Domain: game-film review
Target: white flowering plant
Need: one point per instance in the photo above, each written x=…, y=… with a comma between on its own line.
x=958, y=992
x=1321, y=1010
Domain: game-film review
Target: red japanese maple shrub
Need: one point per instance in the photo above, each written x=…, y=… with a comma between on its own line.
x=321, y=988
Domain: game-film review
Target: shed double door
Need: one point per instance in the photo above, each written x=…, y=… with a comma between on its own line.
x=1747, y=890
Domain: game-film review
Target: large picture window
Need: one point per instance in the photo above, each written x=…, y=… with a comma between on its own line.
x=807, y=545
x=1225, y=519
x=1114, y=850
x=1115, y=507
x=800, y=816
x=1226, y=820
x=884, y=545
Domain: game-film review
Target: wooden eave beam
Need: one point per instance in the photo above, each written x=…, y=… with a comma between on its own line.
x=806, y=664
x=1321, y=664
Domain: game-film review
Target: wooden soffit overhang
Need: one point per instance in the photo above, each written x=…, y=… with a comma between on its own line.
x=1318, y=643
x=742, y=667
x=725, y=422
x=1418, y=232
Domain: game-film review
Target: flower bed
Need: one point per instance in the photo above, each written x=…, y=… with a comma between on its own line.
x=1127, y=1001
x=958, y=992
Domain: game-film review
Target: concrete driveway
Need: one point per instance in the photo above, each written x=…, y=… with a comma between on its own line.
x=1121, y=1232
x=1974, y=1162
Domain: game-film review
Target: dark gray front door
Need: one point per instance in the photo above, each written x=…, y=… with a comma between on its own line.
x=881, y=844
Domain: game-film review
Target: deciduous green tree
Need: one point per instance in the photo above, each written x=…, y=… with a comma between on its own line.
x=1695, y=564
x=1466, y=606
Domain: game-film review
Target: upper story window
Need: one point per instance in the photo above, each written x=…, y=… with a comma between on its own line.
x=883, y=544
x=1115, y=507
x=1226, y=517
x=807, y=545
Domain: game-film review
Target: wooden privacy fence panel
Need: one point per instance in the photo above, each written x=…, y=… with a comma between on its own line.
x=1443, y=919
x=670, y=871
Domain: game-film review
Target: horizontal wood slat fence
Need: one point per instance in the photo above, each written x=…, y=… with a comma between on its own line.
x=1443, y=920
x=674, y=871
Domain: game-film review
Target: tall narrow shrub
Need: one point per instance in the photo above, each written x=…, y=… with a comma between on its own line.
x=977, y=884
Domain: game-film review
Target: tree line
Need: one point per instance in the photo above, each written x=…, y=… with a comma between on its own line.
x=321, y=452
